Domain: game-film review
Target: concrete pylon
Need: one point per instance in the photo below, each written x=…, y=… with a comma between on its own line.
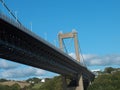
x=79, y=85
x=76, y=82
x=73, y=35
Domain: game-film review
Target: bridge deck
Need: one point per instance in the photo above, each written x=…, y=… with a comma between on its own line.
x=21, y=45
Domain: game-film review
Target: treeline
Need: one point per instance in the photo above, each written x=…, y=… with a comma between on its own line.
x=13, y=87
x=50, y=84
x=109, y=79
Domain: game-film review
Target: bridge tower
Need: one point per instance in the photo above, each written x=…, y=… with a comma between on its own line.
x=72, y=34
x=78, y=79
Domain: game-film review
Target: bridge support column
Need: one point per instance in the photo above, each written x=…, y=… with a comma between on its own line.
x=80, y=83
x=64, y=83
x=75, y=84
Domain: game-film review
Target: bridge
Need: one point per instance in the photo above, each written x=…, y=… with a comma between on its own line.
x=19, y=44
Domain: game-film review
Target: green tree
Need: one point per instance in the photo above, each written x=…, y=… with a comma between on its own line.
x=15, y=87
x=36, y=80
x=109, y=81
x=109, y=70
x=3, y=80
x=4, y=87
x=53, y=84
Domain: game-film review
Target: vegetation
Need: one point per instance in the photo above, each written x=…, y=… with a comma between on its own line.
x=35, y=80
x=50, y=84
x=109, y=70
x=53, y=84
x=109, y=79
x=3, y=80
x=13, y=87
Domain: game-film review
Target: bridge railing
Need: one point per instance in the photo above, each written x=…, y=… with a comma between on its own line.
x=12, y=21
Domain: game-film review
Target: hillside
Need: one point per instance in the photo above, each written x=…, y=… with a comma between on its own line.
x=10, y=83
x=109, y=79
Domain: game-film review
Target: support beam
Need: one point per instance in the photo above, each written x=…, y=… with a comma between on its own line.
x=76, y=46
x=80, y=83
x=75, y=83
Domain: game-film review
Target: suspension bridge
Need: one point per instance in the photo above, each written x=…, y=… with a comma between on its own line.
x=19, y=44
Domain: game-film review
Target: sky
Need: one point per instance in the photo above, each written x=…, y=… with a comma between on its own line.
x=96, y=21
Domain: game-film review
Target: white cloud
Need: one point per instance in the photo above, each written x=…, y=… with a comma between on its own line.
x=93, y=60
x=4, y=64
x=72, y=55
x=95, y=70
x=10, y=69
x=13, y=70
x=22, y=72
x=102, y=60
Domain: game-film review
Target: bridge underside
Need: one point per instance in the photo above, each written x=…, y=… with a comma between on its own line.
x=20, y=45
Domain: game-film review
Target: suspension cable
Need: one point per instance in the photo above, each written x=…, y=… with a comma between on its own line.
x=70, y=44
x=11, y=13
x=82, y=54
x=65, y=47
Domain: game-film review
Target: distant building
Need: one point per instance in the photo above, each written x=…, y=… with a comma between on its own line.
x=42, y=80
x=96, y=72
x=32, y=82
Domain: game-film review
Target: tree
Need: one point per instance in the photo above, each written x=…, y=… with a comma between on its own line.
x=53, y=84
x=109, y=70
x=109, y=81
x=15, y=87
x=35, y=80
x=4, y=87
x=3, y=80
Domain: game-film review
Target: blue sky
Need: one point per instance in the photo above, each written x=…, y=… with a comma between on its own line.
x=96, y=21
